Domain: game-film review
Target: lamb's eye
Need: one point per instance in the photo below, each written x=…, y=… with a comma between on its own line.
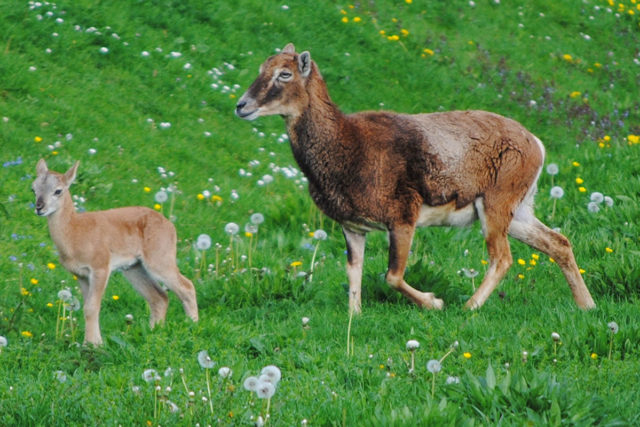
x=285, y=75
x=57, y=192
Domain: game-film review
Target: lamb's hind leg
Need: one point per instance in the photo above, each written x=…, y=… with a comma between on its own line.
x=400, y=238
x=528, y=229
x=155, y=296
x=167, y=272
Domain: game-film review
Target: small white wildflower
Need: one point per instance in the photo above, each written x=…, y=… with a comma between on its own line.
x=60, y=376
x=557, y=192
x=92, y=151
x=305, y=321
x=104, y=50
x=434, y=366
x=165, y=125
x=128, y=318
x=412, y=345
x=613, y=327
x=145, y=54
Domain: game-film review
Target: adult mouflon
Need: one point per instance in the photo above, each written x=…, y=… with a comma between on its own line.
x=395, y=172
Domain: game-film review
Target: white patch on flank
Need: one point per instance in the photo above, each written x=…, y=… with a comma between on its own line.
x=446, y=215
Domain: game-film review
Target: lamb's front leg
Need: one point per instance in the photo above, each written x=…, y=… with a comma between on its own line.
x=355, y=261
x=92, y=295
x=400, y=238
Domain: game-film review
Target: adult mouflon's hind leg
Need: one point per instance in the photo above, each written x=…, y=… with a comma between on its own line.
x=400, y=238
x=528, y=229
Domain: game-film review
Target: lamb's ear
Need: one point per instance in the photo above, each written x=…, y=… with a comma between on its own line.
x=70, y=175
x=304, y=63
x=41, y=167
x=289, y=48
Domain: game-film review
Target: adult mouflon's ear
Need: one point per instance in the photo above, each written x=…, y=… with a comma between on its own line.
x=289, y=48
x=304, y=63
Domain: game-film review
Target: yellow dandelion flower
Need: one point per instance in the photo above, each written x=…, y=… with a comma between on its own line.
x=601, y=144
x=575, y=164
x=54, y=153
x=37, y=139
x=594, y=356
x=484, y=262
x=532, y=262
x=608, y=249
x=344, y=12
x=51, y=266
x=115, y=297
x=26, y=334
x=597, y=65
x=582, y=189
x=345, y=19
x=470, y=43
x=408, y=1
x=575, y=94
x=393, y=38
x=232, y=95
x=582, y=271
x=357, y=19
x=394, y=20
x=535, y=256
x=351, y=6
x=404, y=32
x=567, y=57
x=520, y=276
x=248, y=234
x=579, y=180
x=216, y=198
x=428, y=52
x=551, y=260
x=381, y=366
x=521, y=261
x=466, y=355
x=49, y=305
x=200, y=196
x=296, y=264
x=157, y=206
x=34, y=281
x=147, y=189
x=382, y=32
x=634, y=139
x=24, y=292
x=607, y=138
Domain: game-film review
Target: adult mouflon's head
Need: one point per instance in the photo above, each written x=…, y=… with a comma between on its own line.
x=280, y=87
x=50, y=187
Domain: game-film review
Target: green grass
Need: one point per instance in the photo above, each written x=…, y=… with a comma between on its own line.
x=566, y=70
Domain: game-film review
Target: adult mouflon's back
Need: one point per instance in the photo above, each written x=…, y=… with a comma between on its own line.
x=397, y=171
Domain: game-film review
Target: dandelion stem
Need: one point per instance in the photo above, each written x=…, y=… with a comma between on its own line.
x=313, y=260
x=250, y=247
x=209, y=391
x=610, y=345
x=433, y=385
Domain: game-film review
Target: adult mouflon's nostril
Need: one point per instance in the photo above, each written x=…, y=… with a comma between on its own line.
x=240, y=105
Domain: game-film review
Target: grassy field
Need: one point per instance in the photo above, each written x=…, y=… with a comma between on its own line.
x=142, y=94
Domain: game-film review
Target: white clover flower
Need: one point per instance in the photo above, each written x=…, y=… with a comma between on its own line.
x=203, y=242
x=231, y=228
x=597, y=197
x=613, y=327
x=65, y=295
x=251, y=383
x=320, y=235
x=267, y=179
x=3, y=341
x=434, y=366
x=552, y=169
x=272, y=372
x=175, y=54
x=92, y=151
x=161, y=196
x=555, y=336
x=557, y=192
x=165, y=125
x=593, y=207
x=204, y=360
x=452, y=380
x=225, y=372
x=412, y=345
x=104, y=50
x=257, y=218
x=145, y=54
x=608, y=201
x=60, y=376
x=265, y=389
x=150, y=375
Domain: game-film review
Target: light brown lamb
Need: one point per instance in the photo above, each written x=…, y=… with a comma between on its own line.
x=394, y=172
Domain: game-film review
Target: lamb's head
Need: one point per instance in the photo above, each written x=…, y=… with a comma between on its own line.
x=50, y=187
x=280, y=87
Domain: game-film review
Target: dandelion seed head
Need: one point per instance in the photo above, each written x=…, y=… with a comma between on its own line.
x=203, y=242
x=597, y=197
x=204, y=360
x=412, y=345
x=272, y=372
x=320, y=235
x=613, y=327
x=251, y=383
x=225, y=372
x=65, y=295
x=161, y=196
x=552, y=169
x=257, y=218
x=593, y=207
x=150, y=375
x=3, y=341
x=555, y=336
x=305, y=321
x=608, y=201
x=434, y=366
x=265, y=389
x=231, y=228
x=557, y=192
